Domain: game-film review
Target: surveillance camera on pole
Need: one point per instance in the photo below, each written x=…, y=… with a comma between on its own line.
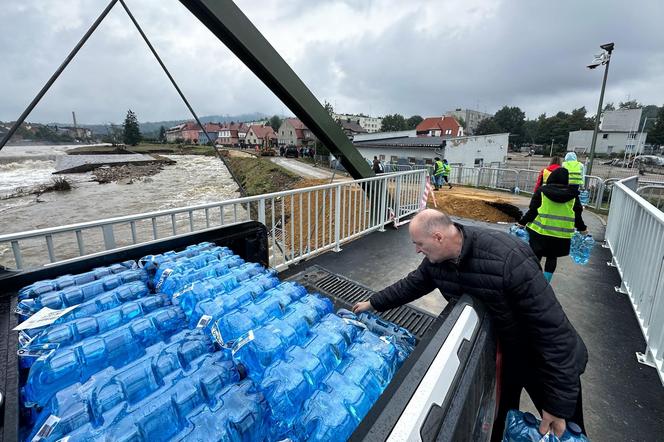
x=602, y=59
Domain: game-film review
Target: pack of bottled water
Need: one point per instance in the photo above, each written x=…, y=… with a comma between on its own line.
x=519, y=232
x=198, y=345
x=581, y=247
x=584, y=197
x=524, y=427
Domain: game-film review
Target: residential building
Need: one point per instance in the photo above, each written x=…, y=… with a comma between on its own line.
x=293, y=132
x=212, y=130
x=631, y=142
x=258, y=135
x=351, y=128
x=370, y=124
x=439, y=127
x=467, y=151
x=232, y=134
x=185, y=132
x=470, y=117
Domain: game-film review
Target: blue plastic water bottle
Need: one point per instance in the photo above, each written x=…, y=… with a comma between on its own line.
x=75, y=330
x=260, y=347
x=166, y=414
x=524, y=427
x=581, y=247
x=334, y=412
x=520, y=233
x=584, y=197
x=287, y=384
x=65, y=366
x=80, y=404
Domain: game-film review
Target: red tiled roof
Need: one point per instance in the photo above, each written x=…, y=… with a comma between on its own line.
x=438, y=123
x=297, y=124
x=263, y=131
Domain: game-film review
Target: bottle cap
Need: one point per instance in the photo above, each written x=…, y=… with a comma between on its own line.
x=530, y=419
x=574, y=429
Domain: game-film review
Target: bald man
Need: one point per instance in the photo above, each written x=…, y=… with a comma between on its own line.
x=542, y=351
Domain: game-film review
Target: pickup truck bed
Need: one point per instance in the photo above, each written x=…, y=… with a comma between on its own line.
x=444, y=391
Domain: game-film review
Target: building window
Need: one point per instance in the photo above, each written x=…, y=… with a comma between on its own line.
x=479, y=162
x=411, y=160
x=631, y=136
x=609, y=149
x=448, y=131
x=629, y=147
x=605, y=136
x=381, y=157
x=394, y=159
x=428, y=161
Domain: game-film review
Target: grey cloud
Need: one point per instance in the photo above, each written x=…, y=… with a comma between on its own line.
x=530, y=54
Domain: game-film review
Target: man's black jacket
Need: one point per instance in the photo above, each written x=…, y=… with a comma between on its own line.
x=502, y=271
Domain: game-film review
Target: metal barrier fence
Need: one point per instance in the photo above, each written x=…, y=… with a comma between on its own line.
x=635, y=235
x=654, y=194
x=301, y=222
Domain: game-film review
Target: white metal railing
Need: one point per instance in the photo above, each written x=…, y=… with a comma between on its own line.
x=301, y=222
x=635, y=235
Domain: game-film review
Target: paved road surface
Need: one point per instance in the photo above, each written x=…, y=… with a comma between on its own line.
x=304, y=170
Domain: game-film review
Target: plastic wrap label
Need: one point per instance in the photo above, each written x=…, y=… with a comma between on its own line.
x=204, y=321
x=45, y=316
x=46, y=429
x=354, y=322
x=216, y=334
x=243, y=341
x=162, y=278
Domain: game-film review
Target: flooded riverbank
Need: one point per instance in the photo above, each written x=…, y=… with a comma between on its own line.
x=192, y=180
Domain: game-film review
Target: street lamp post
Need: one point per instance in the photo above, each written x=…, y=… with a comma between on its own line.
x=604, y=59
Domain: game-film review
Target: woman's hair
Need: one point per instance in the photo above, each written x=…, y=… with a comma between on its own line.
x=555, y=160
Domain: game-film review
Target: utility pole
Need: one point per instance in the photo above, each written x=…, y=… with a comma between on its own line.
x=551, y=151
x=604, y=59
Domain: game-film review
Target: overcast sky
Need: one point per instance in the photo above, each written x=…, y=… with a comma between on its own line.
x=376, y=56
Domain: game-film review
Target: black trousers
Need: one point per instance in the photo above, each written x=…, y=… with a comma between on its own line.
x=513, y=382
x=550, y=263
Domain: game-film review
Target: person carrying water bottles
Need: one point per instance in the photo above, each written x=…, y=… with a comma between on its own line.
x=554, y=212
x=575, y=169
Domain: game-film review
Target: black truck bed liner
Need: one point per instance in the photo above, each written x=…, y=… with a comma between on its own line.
x=249, y=240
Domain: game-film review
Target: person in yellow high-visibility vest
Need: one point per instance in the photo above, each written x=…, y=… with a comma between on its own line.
x=575, y=169
x=554, y=212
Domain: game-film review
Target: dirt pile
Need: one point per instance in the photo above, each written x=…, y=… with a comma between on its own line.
x=476, y=204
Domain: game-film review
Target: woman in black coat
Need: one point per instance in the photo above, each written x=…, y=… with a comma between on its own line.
x=557, y=190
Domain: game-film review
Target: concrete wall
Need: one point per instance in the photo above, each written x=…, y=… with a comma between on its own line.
x=471, y=117
x=607, y=142
x=486, y=150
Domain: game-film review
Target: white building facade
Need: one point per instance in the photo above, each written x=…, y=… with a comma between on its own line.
x=607, y=142
x=468, y=151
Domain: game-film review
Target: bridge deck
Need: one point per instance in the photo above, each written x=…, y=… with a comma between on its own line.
x=623, y=400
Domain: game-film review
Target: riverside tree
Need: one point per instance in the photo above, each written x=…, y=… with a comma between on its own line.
x=131, y=134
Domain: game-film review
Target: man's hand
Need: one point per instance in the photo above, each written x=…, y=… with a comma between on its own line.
x=552, y=423
x=363, y=306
